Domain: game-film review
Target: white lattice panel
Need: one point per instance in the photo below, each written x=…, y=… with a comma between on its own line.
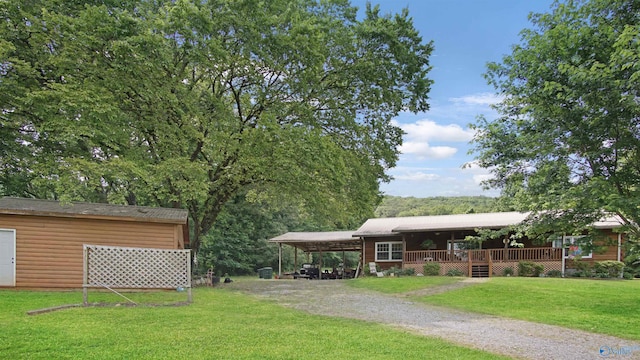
x=123, y=267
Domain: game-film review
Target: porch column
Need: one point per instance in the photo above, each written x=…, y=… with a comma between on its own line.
x=404, y=250
x=279, y=260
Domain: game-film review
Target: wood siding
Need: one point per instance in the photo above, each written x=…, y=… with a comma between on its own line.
x=370, y=252
x=49, y=250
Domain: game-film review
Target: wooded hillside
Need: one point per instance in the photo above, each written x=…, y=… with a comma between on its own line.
x=396, y=206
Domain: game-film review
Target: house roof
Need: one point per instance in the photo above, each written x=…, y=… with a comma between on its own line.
x=464, y=222
x=320, y=241
x=393, y=226
x=36, y=207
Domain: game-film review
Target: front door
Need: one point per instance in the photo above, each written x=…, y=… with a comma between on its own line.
x=7, y=257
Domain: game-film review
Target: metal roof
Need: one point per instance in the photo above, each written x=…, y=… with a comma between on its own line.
x=320, y=241
x=393, y=226
x=36, y=207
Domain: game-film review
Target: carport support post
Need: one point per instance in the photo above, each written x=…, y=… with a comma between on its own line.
x=320, y=266
x=279, y=260
x=295, y=259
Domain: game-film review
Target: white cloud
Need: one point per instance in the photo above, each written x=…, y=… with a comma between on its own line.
x=478, y=99
x=479, y=174
x=417, y=176
x=419, y=133
x=424, y=151
x=429, y=130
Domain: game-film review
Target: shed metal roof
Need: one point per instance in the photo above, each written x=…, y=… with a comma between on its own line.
x=36, y=207
x=320, y=241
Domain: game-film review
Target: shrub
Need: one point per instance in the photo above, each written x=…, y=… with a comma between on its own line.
x=455, y=272
x=396, y=271
x=507, y=271
x=431, y=269
x=409, y=271
x=554, y=273
x=527, y=268
x=608, y=269
x=583, y=269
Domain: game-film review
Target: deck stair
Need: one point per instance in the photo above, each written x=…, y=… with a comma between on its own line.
x=480, y=271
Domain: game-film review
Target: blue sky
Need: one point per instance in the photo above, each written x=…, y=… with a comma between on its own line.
x=467, y=34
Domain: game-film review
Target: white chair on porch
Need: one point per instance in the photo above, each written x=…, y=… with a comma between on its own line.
x=373, y=270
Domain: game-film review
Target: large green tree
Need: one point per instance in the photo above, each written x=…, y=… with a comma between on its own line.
x=567, y=142
x=186, y=103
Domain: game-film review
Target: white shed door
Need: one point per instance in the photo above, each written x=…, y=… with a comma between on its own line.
x=7, y=257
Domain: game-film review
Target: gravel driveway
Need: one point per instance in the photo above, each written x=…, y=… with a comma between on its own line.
x=514, y=338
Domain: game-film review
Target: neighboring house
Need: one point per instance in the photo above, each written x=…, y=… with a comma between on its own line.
x=41, y=241
x=410, y=242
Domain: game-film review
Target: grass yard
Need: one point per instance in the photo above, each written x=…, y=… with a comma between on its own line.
x=219, y=324
x=600, y=306
x=394, y=285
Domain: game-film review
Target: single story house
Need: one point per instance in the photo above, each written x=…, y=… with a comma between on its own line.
x=410, y=242
x=41, y=241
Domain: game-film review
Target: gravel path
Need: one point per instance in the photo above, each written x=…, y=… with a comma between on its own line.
x=514, y=338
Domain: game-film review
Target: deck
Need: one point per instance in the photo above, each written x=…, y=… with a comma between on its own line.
x=495, y=260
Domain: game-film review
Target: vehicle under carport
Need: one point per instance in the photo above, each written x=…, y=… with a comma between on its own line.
x=318, y=242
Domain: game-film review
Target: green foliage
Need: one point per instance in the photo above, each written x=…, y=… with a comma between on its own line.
x=554, y=273
x=608, y=269
x=431, y=269
x=396, y=271
x=454, y=272
x=527, y=268
x=188, y=103
x=396, y=206
x=566, y=143
x=582, y=268
x=632, y=259
x=508, y=271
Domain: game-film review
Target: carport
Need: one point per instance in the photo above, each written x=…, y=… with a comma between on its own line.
x=319, y=242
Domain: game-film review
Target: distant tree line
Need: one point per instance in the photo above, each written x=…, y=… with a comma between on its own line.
x=397, y=206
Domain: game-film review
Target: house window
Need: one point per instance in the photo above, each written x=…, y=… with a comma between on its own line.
x=572, y=247
x=388, y=251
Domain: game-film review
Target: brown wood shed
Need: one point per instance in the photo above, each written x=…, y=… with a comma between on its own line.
x=41, y=241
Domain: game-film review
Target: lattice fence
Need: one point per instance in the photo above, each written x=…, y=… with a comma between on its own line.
x=136, y=268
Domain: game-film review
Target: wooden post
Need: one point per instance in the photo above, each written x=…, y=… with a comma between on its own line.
x=85, y=268
x=279, y=260
x=490, y=262
x=470, y=266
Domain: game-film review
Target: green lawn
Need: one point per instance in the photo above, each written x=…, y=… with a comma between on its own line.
x=220, y=324
x=600, y=306
x=394, y=285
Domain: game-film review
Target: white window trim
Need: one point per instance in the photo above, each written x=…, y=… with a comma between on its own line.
x=390, y=252
x=566, y=242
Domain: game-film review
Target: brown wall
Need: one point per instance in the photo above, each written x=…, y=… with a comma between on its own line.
x=49, y=252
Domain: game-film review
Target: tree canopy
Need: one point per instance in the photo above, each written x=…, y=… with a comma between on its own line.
x=187, y=103
x=567, y=142
x=397, y=206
